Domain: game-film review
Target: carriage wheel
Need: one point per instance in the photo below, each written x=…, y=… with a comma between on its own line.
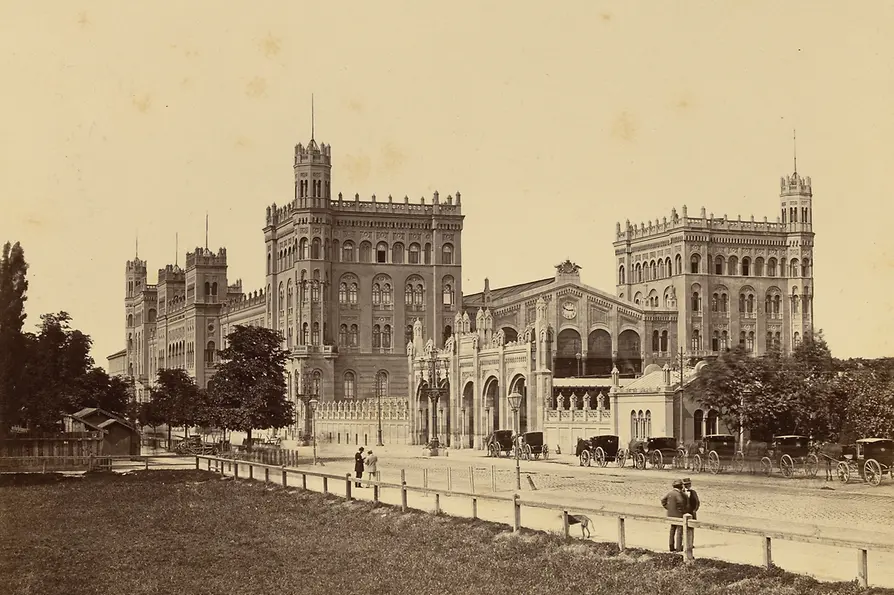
x=600, y=457
x=527, y=452
x=844, y=472
x=739, y=462
x=787, y=465
x=872, y=472
x=493, y=451
x=621, y=457
x=657, y=460
x=680, y=459
x=640, y=461
x=697, y=463
x=585, y=458
x=713, y=462
x=811, y=465
x=766, y=466
x=545, y=452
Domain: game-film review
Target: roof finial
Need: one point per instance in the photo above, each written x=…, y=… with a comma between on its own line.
x=795, y=146
x=311, y=116
x=176, y=249
x=206, y=230
x=137, y=250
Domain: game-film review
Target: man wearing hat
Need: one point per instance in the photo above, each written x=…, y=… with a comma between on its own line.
x=692, y=504
x=675, y=503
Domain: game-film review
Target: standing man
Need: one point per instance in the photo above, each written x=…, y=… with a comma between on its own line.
x=358, y=466
x=675, y=504
x=692, y=505
x=371, y=461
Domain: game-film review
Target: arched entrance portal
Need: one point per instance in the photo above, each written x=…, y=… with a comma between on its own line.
x=630, y=360
x=519, y=385
x=469, y=416
x=422, y=414
x=568, y=346
x=433, y=423
x=599, y=353
x=492, y=404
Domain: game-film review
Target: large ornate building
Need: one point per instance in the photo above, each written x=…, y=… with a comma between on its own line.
x=440, y=363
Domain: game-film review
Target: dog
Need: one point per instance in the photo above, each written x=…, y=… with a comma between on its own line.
x=584, y=521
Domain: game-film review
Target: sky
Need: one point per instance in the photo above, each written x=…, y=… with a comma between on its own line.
x=554, y=121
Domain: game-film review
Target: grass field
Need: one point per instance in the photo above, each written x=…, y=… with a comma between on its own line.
x=193, y=533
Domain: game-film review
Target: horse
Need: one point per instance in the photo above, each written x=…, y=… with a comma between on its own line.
x=753, y=451
x=831, y=453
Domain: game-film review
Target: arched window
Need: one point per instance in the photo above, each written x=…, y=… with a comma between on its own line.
x=355, y=339
x=382, y=383
x=386, y=336
x=377, y=337
x=352, y=293
x=426, y=253
x=694, y=263
x=365, y=252
x=794, y=268
x=316, y=333
x=742, y=338
x=347, y=252
x=661, y=269
x=207, y=288
x=724, y=340
x=381, y=253
x=418, y=294
x=698, y=419
x=771, y=267
x=678, y=264
x=638, y=271
x=805, y=268
x=696, y=302
x=317, y=380
x=302, y=249
x=315, y=291
x=732, y=266
x=796, y=299
x=712, y=422
x=715, y=341
x=343, y=335
x=315, y=249
x=343, y=293
x=749, y=342
x=759, y=267
x=648, y=428
x=386, y=294
x=796, y=340
x=349, y=385
x=696, y=340
x=408, y=295
x=397, y=253
x=414, y=254
x=746, y=267
x=664, y=341
x=408, y=334
x=447, y=291
x=377, y=294
x=305, y=334
x=621, y=279
x=447, y=254
x=715, y=303
x=282, y=298
x=209, y=352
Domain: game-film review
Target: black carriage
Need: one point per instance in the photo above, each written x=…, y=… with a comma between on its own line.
x=657, y=452
x=532, y=445
x=715, y=452
x=789, y=453
x=601, y=449
x=499, y=442
x=870, y=458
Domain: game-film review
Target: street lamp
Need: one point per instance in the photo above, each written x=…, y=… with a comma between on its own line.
x=307, y=390
x=580, y=372
x=379, y=407
x=514, y=401
x=433, y=391
x=313, y=413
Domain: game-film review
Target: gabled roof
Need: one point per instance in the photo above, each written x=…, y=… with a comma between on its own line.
x=502, y=293
x=654, y=381
x=111, y=417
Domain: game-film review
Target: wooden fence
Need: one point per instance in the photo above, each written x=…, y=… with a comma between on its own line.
x=862, y=548
x=70, y=444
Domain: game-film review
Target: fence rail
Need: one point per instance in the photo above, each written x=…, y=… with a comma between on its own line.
x=862, y=548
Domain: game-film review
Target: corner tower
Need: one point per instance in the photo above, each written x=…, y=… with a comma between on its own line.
x=796, y=202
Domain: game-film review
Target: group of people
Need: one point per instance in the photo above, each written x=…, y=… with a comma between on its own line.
x=682, y=499
x=365, y=463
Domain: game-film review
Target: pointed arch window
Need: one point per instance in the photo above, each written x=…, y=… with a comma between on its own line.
x=376, y=294
x=347, y=252
x=355, y=339
x=376, y=337
x=343, y=293
x=349, y=385
x=352, y=293
x=386, y=294
x=386, y=336
x=447, y=254
x=343, y=335
x=414, y=254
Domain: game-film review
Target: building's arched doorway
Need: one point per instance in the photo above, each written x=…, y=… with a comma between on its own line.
x=468, y=412
x=445, y=429
x=492, y=404
x=518, y=385
x=422, y=415
x=568, y=346
x=599, y=353
x=630, y=362
x=509, y=334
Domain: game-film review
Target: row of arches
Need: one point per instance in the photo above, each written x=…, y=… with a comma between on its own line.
x=720, y=265
x=571, y=360
x=383, y=293
x=349, y=385
x=747, y=301
x=365, y=252
x=720, y=340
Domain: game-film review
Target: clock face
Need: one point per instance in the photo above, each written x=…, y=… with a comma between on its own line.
x=569, y=310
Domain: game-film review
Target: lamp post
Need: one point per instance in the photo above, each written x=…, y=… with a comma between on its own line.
x=462, y=429
x=514, y=401
x=307, y=390
x=379, y=408
x=313, y=413
x=433, y=391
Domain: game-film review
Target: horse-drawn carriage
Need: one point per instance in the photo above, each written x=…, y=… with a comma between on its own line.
x=499, y=442
x=714, y=452
x=532, y=445
x=601, y=449
x=788, y=453
x=869, y=458
x=657, y=452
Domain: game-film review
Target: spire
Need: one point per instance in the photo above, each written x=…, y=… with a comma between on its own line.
x=795, y=147
x=311, y=116
x=176, y=249
x=137, y=247
x=206, y=230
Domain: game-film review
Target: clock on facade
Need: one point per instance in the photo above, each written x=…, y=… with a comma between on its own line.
x=569, y=310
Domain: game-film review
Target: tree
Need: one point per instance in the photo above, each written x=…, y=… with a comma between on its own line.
x=870, y=408
x=248, y=390
x=97, y=389
x=57, y=359
x=174, y=398
x=13, y=285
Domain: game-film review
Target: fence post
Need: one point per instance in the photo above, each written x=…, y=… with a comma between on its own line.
x=251, y=471
x=209, y=463
x=325, y=485
x=146, y=460
x=45, y=466
x=197, y=462
x=285, y=480
x=90, y=463
x=303, y=481
x=622, y=535
x=493, y=478
x=516, y=517
x=768, y=553
x=474, y=508
x=403, y=490
x=687, y=539
x=863, y=568
x=565, y=528
x=235, y=469
x=376, y=493
x=449, y=479
x=425, y=478
x=472, y=478
x=348, y=486
x=437, y=503
x=266, y=474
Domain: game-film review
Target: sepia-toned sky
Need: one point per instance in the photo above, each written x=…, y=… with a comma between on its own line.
x=554, y=119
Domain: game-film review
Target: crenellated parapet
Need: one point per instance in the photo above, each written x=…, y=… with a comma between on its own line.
x=795, y=185
x=245, y=302
x=451, y=206
x=172, y=273
x=205, y=257
x=393, y=408
x=707, y=223
x=313, y=154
